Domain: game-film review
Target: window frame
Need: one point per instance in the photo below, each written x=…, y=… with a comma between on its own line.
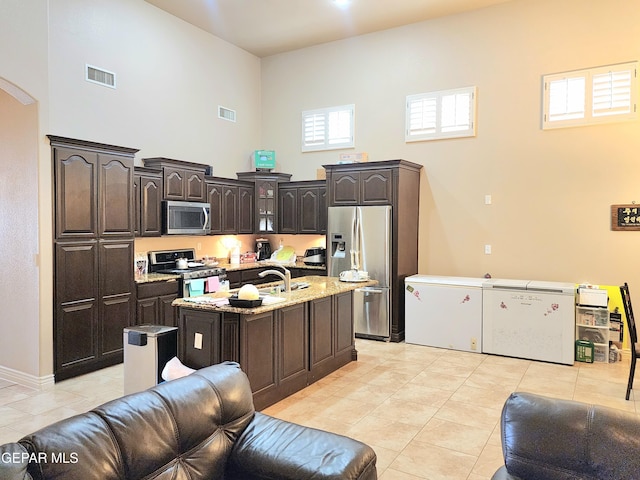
x=438, y=129
x=324, y=140
x=553, y=115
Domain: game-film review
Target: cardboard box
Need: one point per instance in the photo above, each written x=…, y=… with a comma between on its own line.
x=354, y=157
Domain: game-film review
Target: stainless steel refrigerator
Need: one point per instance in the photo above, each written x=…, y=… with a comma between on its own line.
x=360, y=238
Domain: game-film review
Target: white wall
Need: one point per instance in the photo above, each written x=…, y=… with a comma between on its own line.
x=171, y=77
x=551, y=190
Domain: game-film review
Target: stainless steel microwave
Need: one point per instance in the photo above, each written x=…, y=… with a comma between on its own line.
x=186, y=218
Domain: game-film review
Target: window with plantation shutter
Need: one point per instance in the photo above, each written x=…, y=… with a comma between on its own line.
x=590, y=96
x=328, y=128
x=442, y=114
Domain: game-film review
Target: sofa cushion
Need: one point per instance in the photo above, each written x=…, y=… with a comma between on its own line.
x=183, y=429
x=552, y=439
x=14, y=460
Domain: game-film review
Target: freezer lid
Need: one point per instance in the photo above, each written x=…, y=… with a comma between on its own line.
x=564, y=288
x=505, y=283
x=444, y=280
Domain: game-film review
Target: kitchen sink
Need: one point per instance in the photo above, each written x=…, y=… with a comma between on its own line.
x=275, y=289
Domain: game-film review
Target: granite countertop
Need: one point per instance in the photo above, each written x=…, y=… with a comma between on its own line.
x=319, y=287
x=155, y=277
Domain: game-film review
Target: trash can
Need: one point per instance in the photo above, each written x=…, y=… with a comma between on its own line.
x=147, y=349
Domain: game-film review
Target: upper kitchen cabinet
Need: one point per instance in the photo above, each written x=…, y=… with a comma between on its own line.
x=147, y=195
x=232, y=205
x=183, y=181
x=358, y=185
x=303, y=207
x=93, y=185
x=265, y=199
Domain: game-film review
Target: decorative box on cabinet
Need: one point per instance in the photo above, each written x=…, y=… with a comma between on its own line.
x=182, y=181
x=265, y=198
x=93, y=276
x=592, y=324
x=388, y=182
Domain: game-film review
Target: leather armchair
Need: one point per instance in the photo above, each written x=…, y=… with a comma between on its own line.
x=551, y=439
x=198, y=427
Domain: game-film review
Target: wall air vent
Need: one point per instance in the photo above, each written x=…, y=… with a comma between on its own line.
x=100, y=76
x=226, y=113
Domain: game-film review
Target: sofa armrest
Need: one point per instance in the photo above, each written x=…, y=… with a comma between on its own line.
x=270, y=448
x=14, y=460
x=559, y=439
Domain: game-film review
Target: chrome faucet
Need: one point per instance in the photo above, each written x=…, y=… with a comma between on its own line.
x=286, y=276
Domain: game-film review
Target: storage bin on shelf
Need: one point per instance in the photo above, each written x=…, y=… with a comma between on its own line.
x=584, y=351
x=592, y=325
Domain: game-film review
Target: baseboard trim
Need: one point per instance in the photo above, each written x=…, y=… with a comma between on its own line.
x=26, y=379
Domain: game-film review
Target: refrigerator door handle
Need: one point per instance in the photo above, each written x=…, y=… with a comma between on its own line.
x=370, y=290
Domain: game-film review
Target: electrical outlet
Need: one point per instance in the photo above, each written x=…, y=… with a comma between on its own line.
x=487, y=249
x=198, y=246
x=197, y=341
x=487, y=199
x=474, y=344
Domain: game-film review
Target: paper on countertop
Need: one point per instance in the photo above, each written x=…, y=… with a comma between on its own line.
x=271, y=300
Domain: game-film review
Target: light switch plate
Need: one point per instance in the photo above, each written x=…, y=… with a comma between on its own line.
x=197, y=341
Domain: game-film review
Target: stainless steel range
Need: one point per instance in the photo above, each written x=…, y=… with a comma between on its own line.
x=196, y=278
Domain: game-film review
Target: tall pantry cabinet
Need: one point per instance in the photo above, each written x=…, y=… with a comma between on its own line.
x=93, y=241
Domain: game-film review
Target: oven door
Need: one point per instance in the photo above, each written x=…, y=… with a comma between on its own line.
x=192, y=287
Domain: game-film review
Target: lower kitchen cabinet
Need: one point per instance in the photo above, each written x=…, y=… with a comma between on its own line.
x=207, y=338
x=153, y=304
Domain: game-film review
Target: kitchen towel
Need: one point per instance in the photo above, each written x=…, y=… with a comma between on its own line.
x=213, y=284
x=196, y=287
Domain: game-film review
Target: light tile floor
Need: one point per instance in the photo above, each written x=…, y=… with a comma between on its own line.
x=428, y=413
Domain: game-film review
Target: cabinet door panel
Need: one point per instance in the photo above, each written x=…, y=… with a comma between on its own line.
x=230, y=209
x=150, y=206
x=322, y=331
x=344, y=322
x=258, y=351
x=345, y=188
x=231, y=337
x=76, y=193
x=376, y=187
x=115, y=205
x=200, y=342
x=167, y=314
x=116, y=264
x=146, y=311
x=173, y=184
x=322, y=210
x=246, y=209
x=115, y=317
x=287, y=210
x=309, y=210
x=137, y=205
x=76, y=270
x=294, y=342
x=75, y=334
x=214, y=197
x=195, y=187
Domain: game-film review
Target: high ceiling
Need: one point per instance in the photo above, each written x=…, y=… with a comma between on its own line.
x=268, y=27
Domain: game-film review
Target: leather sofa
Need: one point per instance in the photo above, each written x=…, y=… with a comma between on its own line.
x=202, y=426
x=550, y=439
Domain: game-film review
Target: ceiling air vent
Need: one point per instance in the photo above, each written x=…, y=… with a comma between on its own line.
x=101, y=76
x=226, y=113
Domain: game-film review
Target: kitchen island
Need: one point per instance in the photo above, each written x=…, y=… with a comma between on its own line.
x=283, y=346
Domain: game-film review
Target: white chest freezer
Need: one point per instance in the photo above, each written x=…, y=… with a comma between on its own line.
x=444, y=312
x=529, y=319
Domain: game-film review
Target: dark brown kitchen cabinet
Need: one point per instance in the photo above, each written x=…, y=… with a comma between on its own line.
x=231, y=206
x=206, y=339
x=182, y=181
x=331, y=327
x=265, y=198
x=302, y=207
x=148, y=202
x=368, y=187
x=274, y=352
x=93, y=264
x=388, y=182
x=153, y=303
